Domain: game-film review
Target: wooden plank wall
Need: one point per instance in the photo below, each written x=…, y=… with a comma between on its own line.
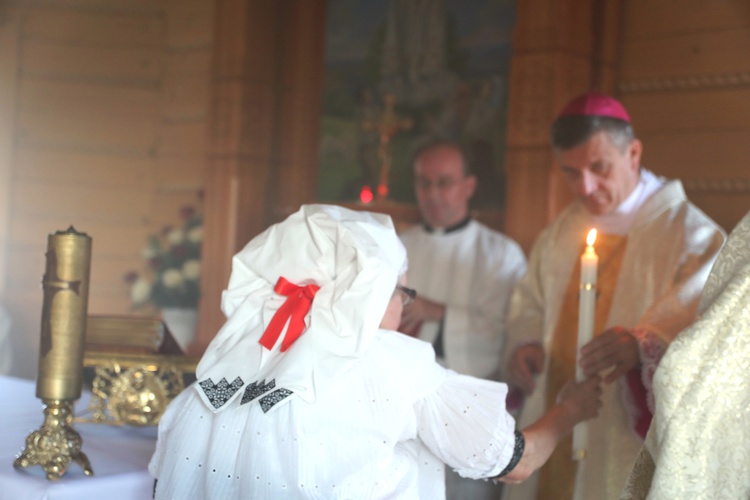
x=10, y=20
x=109, y=134
x=685, y=77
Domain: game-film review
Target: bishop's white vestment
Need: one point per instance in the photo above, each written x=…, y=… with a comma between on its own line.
x=669, y=251
x=472, y=271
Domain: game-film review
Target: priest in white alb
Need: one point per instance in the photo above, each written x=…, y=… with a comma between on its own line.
x=655, y=251
x=464, y=272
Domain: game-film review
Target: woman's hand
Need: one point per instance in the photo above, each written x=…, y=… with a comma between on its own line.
x=576, y=402
x=581, y=401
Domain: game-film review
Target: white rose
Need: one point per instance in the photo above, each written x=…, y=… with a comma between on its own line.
x=150, y=252
x=195, y=235
x=191, y=270
x=172, y=278
x=176, y=236
x=140, y=292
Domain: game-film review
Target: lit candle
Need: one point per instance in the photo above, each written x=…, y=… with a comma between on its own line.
x=586, y=310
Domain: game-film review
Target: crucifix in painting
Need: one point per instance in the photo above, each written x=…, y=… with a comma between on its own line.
x=389, y=124
x=400, y=73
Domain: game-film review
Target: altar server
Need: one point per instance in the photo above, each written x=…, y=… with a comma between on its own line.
x=465, y=273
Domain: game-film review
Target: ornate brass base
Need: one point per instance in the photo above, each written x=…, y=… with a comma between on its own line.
x=56, y=443
x=134, y=389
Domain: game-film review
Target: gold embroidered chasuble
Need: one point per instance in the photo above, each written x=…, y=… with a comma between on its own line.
x=698, y=445
x=671, y=246
x=557, y=479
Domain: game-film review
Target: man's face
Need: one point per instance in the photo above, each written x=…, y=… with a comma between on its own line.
x=443, y=191
x=601, y=175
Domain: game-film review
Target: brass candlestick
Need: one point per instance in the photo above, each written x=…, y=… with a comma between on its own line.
x=66, y=289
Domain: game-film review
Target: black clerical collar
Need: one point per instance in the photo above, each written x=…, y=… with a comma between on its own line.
x=450, y=229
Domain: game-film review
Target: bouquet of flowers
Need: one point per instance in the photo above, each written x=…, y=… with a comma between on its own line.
x=173, y=276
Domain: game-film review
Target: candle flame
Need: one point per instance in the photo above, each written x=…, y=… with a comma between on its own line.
x=591, y=238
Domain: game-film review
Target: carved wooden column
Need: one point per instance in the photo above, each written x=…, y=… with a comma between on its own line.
x=267, y=79
x=561, y=48
x=300, y=100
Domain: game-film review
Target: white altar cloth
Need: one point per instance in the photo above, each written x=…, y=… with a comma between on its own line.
x=119, y=456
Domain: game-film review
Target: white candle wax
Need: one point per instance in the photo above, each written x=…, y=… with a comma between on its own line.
x=586, y=313
x=586, y=297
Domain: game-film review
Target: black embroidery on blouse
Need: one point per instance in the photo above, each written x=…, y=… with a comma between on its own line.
x=220, y=393
x=256, y=389
x=267, y=402
x=517, y=454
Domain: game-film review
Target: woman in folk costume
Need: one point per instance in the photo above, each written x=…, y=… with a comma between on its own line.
x=307, y=392
x=698, y=445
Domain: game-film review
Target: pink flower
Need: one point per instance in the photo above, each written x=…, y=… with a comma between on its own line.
x=186, y=212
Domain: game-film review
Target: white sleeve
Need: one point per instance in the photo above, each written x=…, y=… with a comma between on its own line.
x=465, y=424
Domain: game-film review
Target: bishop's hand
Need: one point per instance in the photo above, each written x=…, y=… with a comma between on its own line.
x=615, y=349
x=582, y=400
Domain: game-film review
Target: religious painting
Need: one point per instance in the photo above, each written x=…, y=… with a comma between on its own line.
x=400, y=73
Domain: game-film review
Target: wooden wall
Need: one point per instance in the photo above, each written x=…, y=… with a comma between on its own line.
x=266, y=90
x=679, y=66
x=115, y=113
x=103, y=125
x=684, y=75
x=561, y=48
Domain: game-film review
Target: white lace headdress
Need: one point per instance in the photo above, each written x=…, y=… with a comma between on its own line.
x=341, y=264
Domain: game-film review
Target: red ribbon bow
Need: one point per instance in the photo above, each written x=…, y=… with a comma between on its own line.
x=295, y=308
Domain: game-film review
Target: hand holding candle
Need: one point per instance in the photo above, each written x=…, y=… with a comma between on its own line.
x=586, y=310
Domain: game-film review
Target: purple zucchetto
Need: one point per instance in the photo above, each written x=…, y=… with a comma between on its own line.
x=595, y=104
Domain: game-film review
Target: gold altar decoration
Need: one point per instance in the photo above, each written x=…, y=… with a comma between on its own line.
x=64, y=311
x=134, y=389
x=137, y=367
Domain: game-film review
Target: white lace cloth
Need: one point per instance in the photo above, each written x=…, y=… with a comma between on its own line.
x=118, y=455
x=6, y=348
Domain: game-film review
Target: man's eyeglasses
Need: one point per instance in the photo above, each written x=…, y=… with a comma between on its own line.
x=443, y=183
x=407, y=294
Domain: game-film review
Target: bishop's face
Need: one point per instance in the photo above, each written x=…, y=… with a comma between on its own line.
x=599, y=173
x=443, y=189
